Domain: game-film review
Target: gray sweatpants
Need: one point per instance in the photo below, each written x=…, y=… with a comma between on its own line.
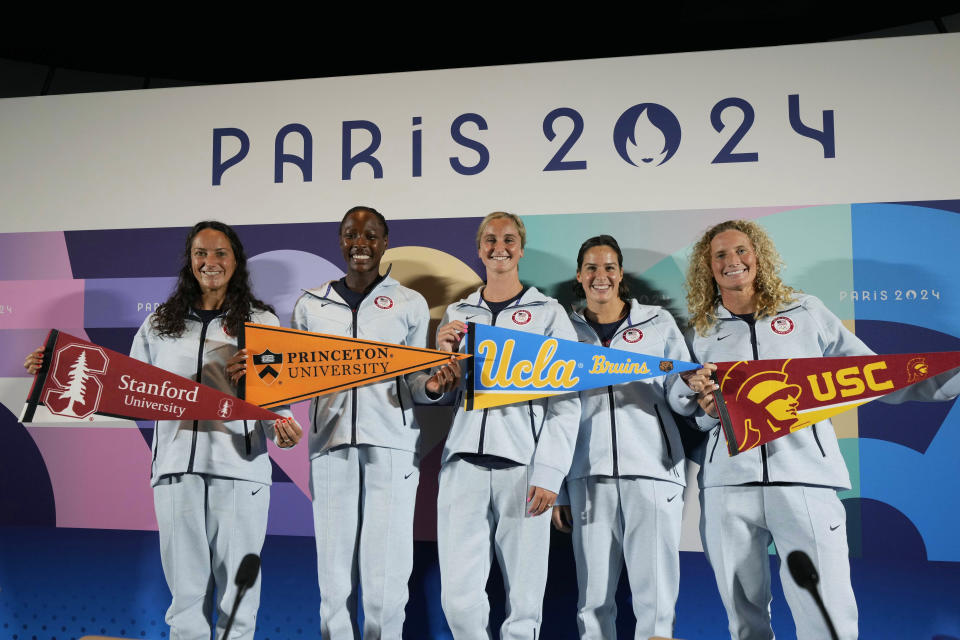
x=737, y=525
x=633, y=521
x=207, y=525
x=481, y=512
x=363, y=503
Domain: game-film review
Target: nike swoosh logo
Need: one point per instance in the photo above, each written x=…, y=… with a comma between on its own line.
x=670, y=499
x=408, y=475
x=834, y=527
x=722, y=337
x=255, y=491
x=473, y=316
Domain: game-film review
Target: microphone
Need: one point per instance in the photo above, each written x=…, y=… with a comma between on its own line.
x=246, y=575
x=806, y=577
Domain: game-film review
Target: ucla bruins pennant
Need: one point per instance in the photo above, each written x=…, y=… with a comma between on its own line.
x=762, y=400
x=515, y=366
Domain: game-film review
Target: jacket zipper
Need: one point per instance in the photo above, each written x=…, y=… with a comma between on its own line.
x=193, y=442
x=246, y=436
x=763, y=447
x=613, y=432
x=483, y=428
x=715, y=443
x=533, y=428
x=353, y=392
x=400, y=401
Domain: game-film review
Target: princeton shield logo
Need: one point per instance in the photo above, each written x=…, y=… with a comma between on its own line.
x=268, y=366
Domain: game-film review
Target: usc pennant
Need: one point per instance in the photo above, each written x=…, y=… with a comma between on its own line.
x=289, y=365
x=762, y=400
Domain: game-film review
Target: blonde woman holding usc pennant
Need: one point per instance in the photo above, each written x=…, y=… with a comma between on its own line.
x=784, y=491
x=502, y=466
x=624, y=492
x=211, y=479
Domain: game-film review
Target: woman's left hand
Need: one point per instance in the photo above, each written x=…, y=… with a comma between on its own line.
x=237, y=366
x=540, y=500
x=288, y=432
x=446, y=378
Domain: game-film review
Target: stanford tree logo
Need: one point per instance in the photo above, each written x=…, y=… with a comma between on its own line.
x=78, y=389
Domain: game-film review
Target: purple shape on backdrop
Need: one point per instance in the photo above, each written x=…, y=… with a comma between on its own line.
x=29, y=304
x=290, y=511
x=279, y=278
x=117, y=338
x=943, y=205
x=34, y=256
x=26, y=493
x=15, y=344
x=912, y=424
x=124, y=302
x=131, y=253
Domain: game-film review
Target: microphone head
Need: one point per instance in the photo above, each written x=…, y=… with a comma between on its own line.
x=802, y=570
x=248, y=571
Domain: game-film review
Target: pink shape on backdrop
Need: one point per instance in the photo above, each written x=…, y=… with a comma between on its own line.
x=100, y=476
x=29, y=304
x=296, y=461
x=28, y=256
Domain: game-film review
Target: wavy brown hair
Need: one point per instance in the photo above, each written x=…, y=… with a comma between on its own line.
x=171, y=316
x=703, y=296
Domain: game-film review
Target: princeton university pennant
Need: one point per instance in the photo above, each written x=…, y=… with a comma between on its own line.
x=515, y=366
x=79, y=379
x=762, y=400
x=286, y=365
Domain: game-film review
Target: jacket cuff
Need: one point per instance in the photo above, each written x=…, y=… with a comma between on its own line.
x=546, y=477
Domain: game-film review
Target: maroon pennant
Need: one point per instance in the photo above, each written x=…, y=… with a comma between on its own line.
x=79, y=379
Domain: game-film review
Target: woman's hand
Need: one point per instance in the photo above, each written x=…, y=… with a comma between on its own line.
x=288, y=432
x=539, y=500
x=703, y=383
x=34, y=361
x=450, y=335
x=446, y=378
x=237, y=366
x=562, y=518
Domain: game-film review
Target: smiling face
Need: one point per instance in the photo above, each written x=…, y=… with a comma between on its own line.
x=600, y=274
x=362, y=242
x=500, y=249
x=212, y=260
x=733, y=262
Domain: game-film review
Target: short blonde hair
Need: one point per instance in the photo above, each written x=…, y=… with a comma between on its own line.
x=703, y=296
x=498, y=215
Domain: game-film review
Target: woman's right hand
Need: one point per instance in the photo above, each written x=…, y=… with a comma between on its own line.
x=703, y=383
x=450, y=335
x=34, y=361
x=562, y=518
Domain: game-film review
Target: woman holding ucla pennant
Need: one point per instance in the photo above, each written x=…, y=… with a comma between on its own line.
x=364, y=463
x=624, y=492
x=211, y=479
x=502, y=466
x=785, y=490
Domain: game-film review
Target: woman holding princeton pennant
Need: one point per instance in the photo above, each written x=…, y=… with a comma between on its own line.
x=624, y=491
x=502, y=466
x=785, y=490
x=364, y=463
x=211, y=479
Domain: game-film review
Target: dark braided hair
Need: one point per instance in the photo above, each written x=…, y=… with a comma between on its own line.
x=170, y=317
x=623, y=292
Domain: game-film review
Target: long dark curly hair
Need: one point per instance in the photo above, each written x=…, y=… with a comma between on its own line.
x=170, y=317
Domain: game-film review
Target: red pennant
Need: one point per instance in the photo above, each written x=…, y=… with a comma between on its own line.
x=762, y=400
x=79, y=379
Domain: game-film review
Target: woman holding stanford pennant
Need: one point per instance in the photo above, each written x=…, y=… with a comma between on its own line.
x=211, y=479
x=624, y=493
x=502, y=466
x=783, y=491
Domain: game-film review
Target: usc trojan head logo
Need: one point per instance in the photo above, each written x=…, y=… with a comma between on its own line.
x=268, y=365
x=917, y=369
x=774, y=401
x=73, y=372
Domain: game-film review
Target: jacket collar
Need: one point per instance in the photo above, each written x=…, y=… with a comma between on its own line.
x=530, y=297
x=638, y=314
x=328, y=294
